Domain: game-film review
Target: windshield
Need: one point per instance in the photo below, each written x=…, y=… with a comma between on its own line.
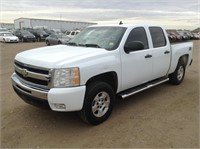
x=40, y=31
x=101, y=37
x=7, y=34
x=62, y=36
x=24, y=32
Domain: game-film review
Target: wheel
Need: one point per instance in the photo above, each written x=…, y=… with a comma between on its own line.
x=98, y=103
x=178, y=75
x=39, y=39
x=47, y=42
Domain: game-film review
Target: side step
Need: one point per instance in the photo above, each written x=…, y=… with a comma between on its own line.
x=142, y=87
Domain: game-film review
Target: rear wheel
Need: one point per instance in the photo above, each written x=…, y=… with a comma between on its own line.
x=98, y=103
x=178, y=75
x=47, y=42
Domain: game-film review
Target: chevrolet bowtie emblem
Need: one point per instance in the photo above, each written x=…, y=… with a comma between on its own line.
x=24, y=72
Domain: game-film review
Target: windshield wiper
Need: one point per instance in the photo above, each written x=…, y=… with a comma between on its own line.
x=92, y=45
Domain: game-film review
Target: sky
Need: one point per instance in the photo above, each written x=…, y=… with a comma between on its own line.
x=172, y=14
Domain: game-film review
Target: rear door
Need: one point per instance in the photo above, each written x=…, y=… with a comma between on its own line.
x=136, y=65
x=161, y=52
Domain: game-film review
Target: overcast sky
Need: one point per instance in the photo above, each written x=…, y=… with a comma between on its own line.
x=168, y=13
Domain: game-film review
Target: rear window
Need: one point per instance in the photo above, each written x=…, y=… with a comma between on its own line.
x=157, y=36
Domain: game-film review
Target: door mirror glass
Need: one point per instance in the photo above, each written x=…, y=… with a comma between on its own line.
x=133, y=46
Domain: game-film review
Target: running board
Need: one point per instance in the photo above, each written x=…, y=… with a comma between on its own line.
x=143, y=87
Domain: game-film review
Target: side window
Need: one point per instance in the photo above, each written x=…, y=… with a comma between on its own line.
x=138, y=34
x=157, y=36
x=73, y=33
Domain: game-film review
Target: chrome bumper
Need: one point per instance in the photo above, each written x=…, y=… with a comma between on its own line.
x=28, y=90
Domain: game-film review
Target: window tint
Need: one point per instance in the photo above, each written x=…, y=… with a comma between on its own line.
x=157, y=36
x=138, y=34
x=73, y=33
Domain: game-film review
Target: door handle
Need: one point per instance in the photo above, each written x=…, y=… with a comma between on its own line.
x=148, y=56
x=167, y=52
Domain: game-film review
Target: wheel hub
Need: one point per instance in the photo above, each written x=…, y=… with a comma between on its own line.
x=100, y=104
x=180, y=73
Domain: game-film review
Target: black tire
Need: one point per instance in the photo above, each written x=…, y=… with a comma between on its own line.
x=47, y=42
x=98, y=104
x=39, y=39
x=177, y=77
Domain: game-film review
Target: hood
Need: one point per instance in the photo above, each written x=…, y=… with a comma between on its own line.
x=11, y=37
x=57, y=56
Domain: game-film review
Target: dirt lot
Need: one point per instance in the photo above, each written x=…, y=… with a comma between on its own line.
x=165, y=116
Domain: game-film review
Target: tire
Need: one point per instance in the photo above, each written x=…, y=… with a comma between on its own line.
x=39, y=39
x=177, y=77
x=47, y=42
x=98, y=104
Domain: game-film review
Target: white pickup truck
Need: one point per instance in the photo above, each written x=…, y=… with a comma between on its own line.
x=101, y=62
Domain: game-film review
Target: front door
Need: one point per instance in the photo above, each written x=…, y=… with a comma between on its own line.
x=136, y=65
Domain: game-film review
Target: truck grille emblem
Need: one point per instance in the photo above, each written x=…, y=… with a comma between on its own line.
x=24, y=72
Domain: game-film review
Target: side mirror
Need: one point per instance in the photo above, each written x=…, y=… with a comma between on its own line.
x=133, y=46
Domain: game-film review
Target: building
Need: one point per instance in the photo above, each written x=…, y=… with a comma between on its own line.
x=7, y=25
x=50, y=24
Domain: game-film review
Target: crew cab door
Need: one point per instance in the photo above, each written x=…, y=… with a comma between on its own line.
x=136, y=65
x=161, y=51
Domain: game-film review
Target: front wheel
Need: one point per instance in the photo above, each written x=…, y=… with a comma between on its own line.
x=178, y=75
x=48, y=43
x=98, y=103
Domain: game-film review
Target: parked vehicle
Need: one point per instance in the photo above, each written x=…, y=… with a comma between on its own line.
x=196, y=36
x=3, y=30
x=55, y=39
x=50, y=31
x=71, y=34
x=171, y=37
x=178, y=36
x=8, y=37
x=99, y=63
x=24, y=35
x=39, y=34
x=183, y=35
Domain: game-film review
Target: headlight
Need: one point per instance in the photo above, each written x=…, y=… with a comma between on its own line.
x=7, y=39
x=66, y=77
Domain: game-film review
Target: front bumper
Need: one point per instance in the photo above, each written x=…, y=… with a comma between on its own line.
x=58, y=99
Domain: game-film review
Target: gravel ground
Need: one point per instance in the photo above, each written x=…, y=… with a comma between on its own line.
x=165, y=116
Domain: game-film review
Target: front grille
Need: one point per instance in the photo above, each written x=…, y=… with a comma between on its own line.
x=32, y=80
x=21, y=65
x=33, y=76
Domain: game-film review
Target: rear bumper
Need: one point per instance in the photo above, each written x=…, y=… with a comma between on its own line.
x=57, y=99
x=29, y=39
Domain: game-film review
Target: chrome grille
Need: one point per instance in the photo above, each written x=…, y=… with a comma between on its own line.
x=35, y=77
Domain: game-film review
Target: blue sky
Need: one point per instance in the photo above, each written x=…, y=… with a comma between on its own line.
x=168, y=13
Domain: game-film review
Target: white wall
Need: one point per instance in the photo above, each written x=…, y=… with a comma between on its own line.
x=50, y=24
